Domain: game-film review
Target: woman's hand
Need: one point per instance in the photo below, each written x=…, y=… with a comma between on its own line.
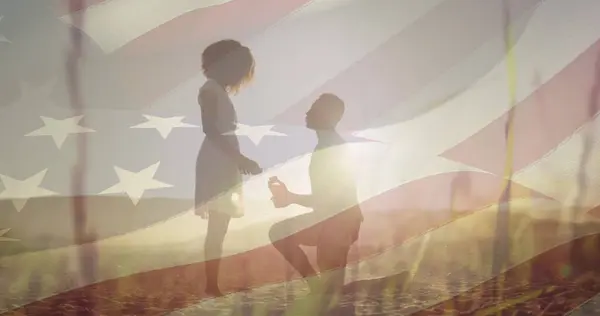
x=202, y=211
x=249, y=166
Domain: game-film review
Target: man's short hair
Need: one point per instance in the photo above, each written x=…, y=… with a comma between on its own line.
x=335, y=105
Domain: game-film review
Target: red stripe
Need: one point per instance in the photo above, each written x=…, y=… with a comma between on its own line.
x=167, y=56
x=181, y=286
x=480, y=188
x=539, y=126
x=414, y=58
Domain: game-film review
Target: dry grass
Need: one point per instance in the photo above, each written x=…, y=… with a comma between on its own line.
x=451, y=265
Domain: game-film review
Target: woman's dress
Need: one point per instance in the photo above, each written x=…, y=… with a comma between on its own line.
x=218, y=178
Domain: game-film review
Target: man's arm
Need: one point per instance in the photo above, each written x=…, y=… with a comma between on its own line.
x=305, y=200
x=343, y=196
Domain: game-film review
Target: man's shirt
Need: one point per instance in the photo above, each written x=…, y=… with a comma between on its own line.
x=332, y=177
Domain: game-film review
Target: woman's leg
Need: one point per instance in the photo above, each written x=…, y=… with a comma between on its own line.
x=213, y=249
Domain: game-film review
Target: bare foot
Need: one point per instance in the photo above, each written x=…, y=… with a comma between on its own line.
x=213, y=291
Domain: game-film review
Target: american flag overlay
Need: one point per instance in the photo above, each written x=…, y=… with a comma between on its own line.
x=472, y=126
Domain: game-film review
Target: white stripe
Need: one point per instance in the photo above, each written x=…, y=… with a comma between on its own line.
x=556, y=34
x=319, y=6
x=556, y=174
x=114, y=23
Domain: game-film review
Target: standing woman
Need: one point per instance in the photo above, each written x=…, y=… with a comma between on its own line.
x=227, y=66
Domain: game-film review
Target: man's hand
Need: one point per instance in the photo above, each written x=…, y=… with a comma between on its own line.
x=281, y=195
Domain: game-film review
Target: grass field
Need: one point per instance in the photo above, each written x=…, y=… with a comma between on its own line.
x=457, y=259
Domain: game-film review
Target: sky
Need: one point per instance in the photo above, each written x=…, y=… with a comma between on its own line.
x=311, y=54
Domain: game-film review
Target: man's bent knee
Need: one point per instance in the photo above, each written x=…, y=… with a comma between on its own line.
x=275, y=233
x=332, y=257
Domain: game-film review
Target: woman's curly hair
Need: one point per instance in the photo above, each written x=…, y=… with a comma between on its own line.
x=229, y=63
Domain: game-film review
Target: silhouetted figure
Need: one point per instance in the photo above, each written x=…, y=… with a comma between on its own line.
x=227, y=66
x=333, y=192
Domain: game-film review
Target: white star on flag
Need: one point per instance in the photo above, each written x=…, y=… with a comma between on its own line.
x=3, y=232
x=255, y=133
x=134, y=184
x=60, y=129
x=164, y=125
x=20, y=191
x=3, y=38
